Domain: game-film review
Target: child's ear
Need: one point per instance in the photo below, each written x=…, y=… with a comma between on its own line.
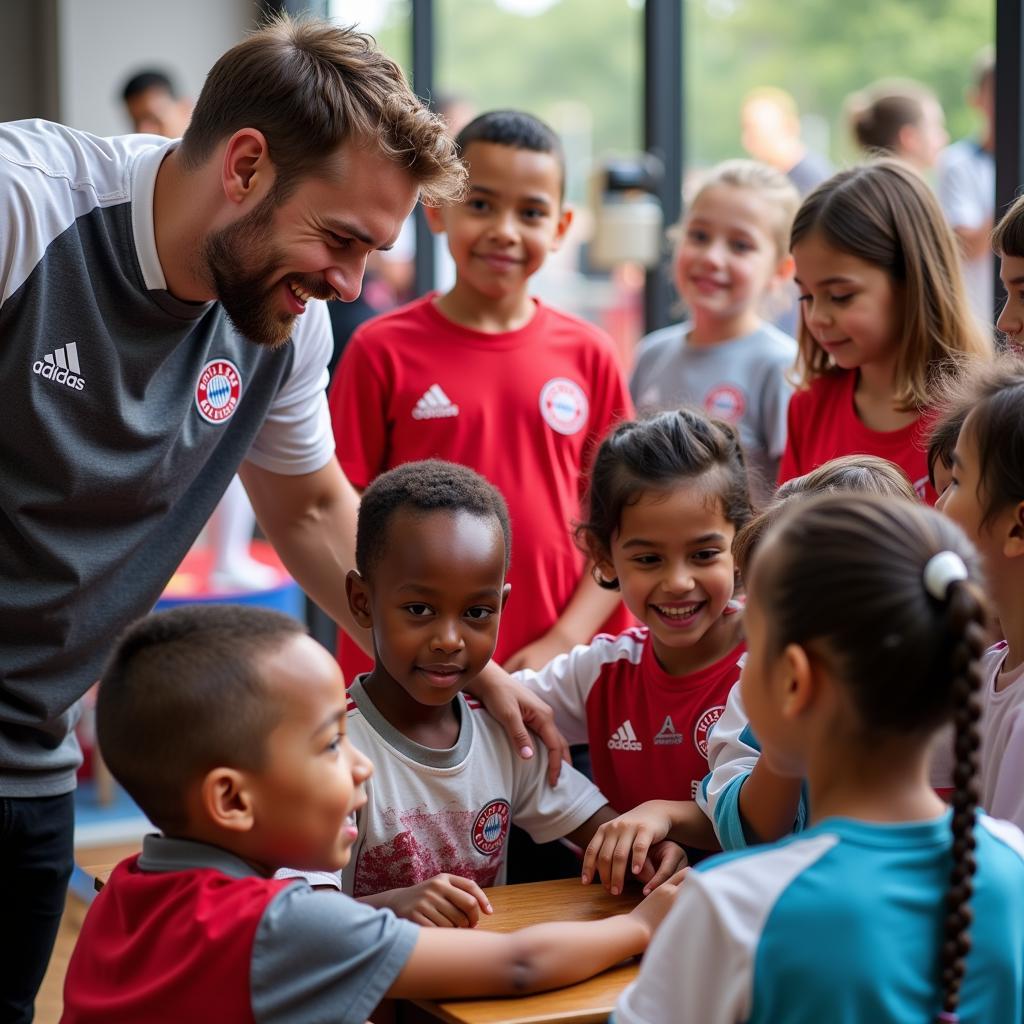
x=435, y=219
x=800, y=684
x=786, y=268
x=564, y=223
x=358, y=594
x=226, y=800
x=1013, y=546
x=505, y=591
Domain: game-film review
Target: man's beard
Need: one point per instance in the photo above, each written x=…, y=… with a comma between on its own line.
x=240, y=260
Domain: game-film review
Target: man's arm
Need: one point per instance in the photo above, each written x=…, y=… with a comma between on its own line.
x=311, y=521
x=588, y=609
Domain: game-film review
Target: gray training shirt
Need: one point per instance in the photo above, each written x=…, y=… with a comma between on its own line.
x=742, y=381
x=125, y=414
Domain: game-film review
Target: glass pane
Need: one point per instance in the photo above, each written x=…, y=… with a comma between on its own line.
x=578, y=64
x=821, y=58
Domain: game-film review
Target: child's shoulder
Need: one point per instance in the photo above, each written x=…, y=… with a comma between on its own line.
x=568, y=329
x=397, y=323
x=770, y=341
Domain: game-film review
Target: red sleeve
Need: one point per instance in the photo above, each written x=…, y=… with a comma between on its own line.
x=358, y=401
x=790, y=465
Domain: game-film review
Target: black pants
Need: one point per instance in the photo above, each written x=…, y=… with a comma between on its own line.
x=36, y=858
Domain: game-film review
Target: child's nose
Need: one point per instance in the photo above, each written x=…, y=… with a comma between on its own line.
x=448, y=636
x=1009, y=321
x=504, y=225
x=680, y=579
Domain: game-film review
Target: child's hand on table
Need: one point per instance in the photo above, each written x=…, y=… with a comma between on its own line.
x=652, y=910
x=444, y=901
x=629, y=839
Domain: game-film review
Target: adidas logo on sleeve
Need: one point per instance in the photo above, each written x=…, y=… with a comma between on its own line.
x=624, y=738
x=61, y=366
x=434, y=405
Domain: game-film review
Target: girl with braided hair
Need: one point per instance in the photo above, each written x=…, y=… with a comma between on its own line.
x=986, y=497
x=865, y=629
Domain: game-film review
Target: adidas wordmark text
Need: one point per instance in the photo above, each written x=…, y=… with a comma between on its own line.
x=61, y=366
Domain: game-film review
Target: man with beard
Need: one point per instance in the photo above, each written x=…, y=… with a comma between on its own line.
x=147, y=293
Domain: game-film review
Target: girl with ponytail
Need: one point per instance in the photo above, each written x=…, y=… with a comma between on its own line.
x=865, y=628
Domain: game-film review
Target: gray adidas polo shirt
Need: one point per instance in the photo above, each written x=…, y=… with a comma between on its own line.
x=315, y=956
x=125, y=414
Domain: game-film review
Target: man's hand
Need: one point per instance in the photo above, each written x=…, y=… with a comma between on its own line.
x=444, y=901
x=517, y=709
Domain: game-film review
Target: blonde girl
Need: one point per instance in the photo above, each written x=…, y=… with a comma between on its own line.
x=731, y=260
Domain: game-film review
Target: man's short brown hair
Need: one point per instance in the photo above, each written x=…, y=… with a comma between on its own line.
x=309, y=86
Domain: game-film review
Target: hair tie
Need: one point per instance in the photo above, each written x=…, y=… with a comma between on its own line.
x=942, y=570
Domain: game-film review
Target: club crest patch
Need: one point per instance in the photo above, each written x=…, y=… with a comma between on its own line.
x=703, y=727
x=491, y=827
x=726, y=402
x=218, y=390
x=564, y=405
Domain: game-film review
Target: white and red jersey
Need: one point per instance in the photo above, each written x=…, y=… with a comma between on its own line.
x=430, y=811
x=526, y=409
x=648, y=730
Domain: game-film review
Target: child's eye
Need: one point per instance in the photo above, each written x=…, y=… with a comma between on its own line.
x=646, y=559
x=803, y=298
x=534, y=213
x=841, y=300
x=738, y=245
x=707, y=555
x=478, y=205
x=335, y=745
x=339, y=241
x=418, y=609
x=697, y=235
x=479, y=613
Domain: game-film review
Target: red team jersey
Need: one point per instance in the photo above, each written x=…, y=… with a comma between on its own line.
x=648, y=730
x=526, y=409
x=167, y=947
x=823, y=424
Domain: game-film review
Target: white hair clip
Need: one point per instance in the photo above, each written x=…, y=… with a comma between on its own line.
x=941, y=570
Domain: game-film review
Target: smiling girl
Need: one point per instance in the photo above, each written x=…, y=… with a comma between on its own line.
x=667, y=496
x=885, y=316
x=731, y=258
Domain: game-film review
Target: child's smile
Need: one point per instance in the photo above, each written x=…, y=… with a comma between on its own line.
x=673, y=560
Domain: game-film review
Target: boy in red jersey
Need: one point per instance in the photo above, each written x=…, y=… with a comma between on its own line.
x=227, y=725
x=489, y=377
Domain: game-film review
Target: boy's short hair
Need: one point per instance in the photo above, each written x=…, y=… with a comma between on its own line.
x=517, y=130
x=309, y=86
x=431, y=485
x=143, y=81
x=183, y=693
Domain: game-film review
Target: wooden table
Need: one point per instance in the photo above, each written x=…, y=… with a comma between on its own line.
x=516, y=906
x=99, y=874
